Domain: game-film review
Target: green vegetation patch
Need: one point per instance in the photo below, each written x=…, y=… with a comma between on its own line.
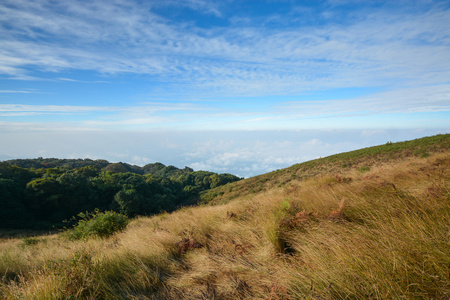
x=31, y=240
x=42, y=198
x=100, y=224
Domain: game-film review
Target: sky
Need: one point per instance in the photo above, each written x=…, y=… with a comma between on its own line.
x=232, y=86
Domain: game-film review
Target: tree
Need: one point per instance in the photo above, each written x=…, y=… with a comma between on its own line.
x=131, y=202
x=13, y=213
x=44, y=199
x=77, y=192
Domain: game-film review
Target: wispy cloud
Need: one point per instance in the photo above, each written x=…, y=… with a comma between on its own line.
x=157, y=114
x=218, y=115
x=379, y=48
x=82, y=81
x=17, y=92
x=47, y=108
x=407, y=100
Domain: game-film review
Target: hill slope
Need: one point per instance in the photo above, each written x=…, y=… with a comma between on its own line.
x=362, y=159
x=369, y=224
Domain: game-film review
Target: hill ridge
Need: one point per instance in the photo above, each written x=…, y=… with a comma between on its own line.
x=360, y=158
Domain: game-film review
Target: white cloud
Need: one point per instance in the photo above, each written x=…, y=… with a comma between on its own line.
x=212, y=115
x=406, y=100
x=47, y=108
x=16, y=92
x=380, y=47
x=210, y=7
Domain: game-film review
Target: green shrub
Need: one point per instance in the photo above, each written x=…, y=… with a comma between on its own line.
x=100, y=224
x=364, y=169
x=30, y=241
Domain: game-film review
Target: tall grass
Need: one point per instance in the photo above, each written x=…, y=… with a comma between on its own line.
x=378, y=234
x=389, y=243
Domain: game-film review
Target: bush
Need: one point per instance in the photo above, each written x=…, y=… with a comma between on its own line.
x=30, y=241
x=364, y=169
x=100, y=224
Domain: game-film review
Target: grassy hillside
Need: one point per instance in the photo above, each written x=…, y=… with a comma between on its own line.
x=367, y=224
x=362, y=159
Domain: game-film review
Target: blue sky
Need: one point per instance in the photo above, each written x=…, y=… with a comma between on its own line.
x=230, y=86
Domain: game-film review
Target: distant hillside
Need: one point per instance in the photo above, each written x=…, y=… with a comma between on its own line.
x=157, y=169
x=43, y=193
x=367, y=224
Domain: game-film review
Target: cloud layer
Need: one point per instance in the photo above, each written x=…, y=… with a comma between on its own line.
x=268, y=54
x=244, y=153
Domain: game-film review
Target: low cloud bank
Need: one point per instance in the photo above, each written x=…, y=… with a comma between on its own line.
x=243, y=153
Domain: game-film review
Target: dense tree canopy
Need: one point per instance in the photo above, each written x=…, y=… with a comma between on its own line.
x=42, y=193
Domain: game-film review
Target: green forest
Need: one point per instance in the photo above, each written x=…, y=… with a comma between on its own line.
x=46, y=193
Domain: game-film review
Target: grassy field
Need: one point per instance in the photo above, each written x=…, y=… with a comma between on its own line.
x=367, y=224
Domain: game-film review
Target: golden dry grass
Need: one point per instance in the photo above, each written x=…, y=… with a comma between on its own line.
x=381, y=233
